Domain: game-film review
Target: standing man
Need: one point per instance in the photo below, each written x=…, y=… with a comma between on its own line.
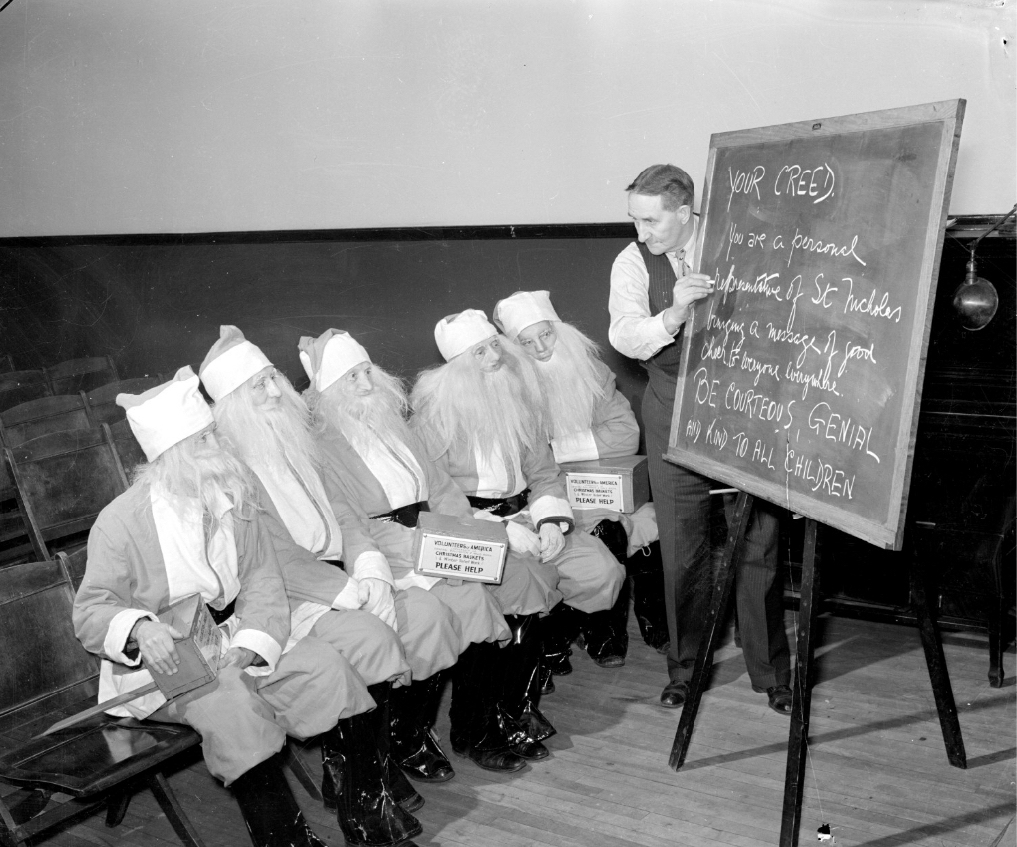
x=652, y=294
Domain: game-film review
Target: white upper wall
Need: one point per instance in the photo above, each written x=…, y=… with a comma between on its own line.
x=119, y=116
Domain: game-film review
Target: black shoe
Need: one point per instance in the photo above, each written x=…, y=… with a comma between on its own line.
x=675, y=694
x=367, y=811
x=386, y=728
x=477, y=732
x=502, y=760
x=429, y=763
x=533, y=751
x=606, y=652
x=270, y=811
x=779, y=698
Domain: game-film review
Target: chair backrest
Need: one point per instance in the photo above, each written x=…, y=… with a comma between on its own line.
x=6, y=362
x=73, y=565
x=102, y=400
x=129, y=452
x=21, y=386
x=63, y=481
x=40, y=417
x=41, y=657
x=76, y=375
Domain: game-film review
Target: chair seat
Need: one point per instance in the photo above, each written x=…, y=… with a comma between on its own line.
x=95, y=755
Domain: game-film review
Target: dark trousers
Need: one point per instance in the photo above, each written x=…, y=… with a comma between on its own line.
x=682, y=500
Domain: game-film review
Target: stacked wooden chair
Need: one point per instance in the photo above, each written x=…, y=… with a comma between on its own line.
x=76, y=375
x=45, y=675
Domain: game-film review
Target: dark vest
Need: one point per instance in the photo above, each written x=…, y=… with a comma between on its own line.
x=662, y=279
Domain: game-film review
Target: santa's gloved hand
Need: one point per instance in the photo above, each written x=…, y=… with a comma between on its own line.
x=552, y=541
x=377, y=598
x=522, y=539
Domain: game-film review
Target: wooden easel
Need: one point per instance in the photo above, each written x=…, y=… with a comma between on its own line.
x=802, y=682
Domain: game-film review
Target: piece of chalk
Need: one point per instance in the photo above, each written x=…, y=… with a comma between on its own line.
x=723, y=490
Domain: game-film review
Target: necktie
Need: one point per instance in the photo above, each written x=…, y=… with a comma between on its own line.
x=683, y=263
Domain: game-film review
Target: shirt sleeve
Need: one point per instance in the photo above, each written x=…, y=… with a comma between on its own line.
x=634, y=332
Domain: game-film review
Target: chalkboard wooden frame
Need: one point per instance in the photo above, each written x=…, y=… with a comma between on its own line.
x=775, y=484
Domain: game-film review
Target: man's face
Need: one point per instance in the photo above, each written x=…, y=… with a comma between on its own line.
x=357, y=381
x=487, y=355
x=660, y=230
x=538, y=340
x=265, y=393
x=205, y=444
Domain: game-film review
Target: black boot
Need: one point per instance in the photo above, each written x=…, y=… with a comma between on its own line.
x=415, y=748
x=367, y=812
x=605, y=634
x=270, y=811
x=647, y=571
x=400, y=787
x=477, y=731
x=557, y=631
x=524, y=723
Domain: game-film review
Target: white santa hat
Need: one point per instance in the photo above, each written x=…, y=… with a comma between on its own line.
x=523, y=309
x=457, y=333
x=329, y=356
x=230, y=363
x=167, y=414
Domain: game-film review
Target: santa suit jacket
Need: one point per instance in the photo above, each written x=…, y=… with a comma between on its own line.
x=127, y=580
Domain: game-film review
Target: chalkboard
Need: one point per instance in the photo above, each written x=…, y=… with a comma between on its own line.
x=802, y=371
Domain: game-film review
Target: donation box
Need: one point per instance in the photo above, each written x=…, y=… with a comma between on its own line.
x=460, y=548
x=617, y=485
x=198, y=649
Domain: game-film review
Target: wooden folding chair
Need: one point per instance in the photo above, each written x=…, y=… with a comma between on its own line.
x=45, y=674
x=76, y=375
x=101, y=401
x=43, y=416
x=21, y=386
x=63, y=480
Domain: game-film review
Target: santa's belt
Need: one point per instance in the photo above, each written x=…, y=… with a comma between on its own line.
x=406, y=515
x=222, y=616
x=501, y=507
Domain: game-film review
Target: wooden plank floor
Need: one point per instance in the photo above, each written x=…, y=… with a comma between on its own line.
x=877, y=772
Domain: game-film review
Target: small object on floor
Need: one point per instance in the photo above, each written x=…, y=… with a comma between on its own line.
x=674, y=695
x=779, y=698
x=824, y=834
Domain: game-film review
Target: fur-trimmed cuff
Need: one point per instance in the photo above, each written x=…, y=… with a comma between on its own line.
x=261, y=643
x=348, y=597
x=372, y=564
x=118, y=633
x=552, y=509
x=575, y=447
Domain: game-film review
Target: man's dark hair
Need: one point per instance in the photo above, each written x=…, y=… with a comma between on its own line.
x=671, y=184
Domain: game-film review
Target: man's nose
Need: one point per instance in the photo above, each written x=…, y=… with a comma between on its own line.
x=642, y=233
x=493, y=356
x=271, y=389
x=364, y=384
x=540, y=346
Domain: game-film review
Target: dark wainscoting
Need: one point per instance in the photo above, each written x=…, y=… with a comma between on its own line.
x=155, y=303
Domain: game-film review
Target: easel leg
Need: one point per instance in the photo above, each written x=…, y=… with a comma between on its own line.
x=798, y=740
x=721, y=595
x=936, y=661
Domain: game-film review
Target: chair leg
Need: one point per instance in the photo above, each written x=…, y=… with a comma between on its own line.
x=174, y=811
x=116, y=808
x=298, y=767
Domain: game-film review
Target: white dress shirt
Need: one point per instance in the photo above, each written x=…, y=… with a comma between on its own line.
x=634, y=332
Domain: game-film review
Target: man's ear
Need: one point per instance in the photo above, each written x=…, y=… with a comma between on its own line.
x=684, y=214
